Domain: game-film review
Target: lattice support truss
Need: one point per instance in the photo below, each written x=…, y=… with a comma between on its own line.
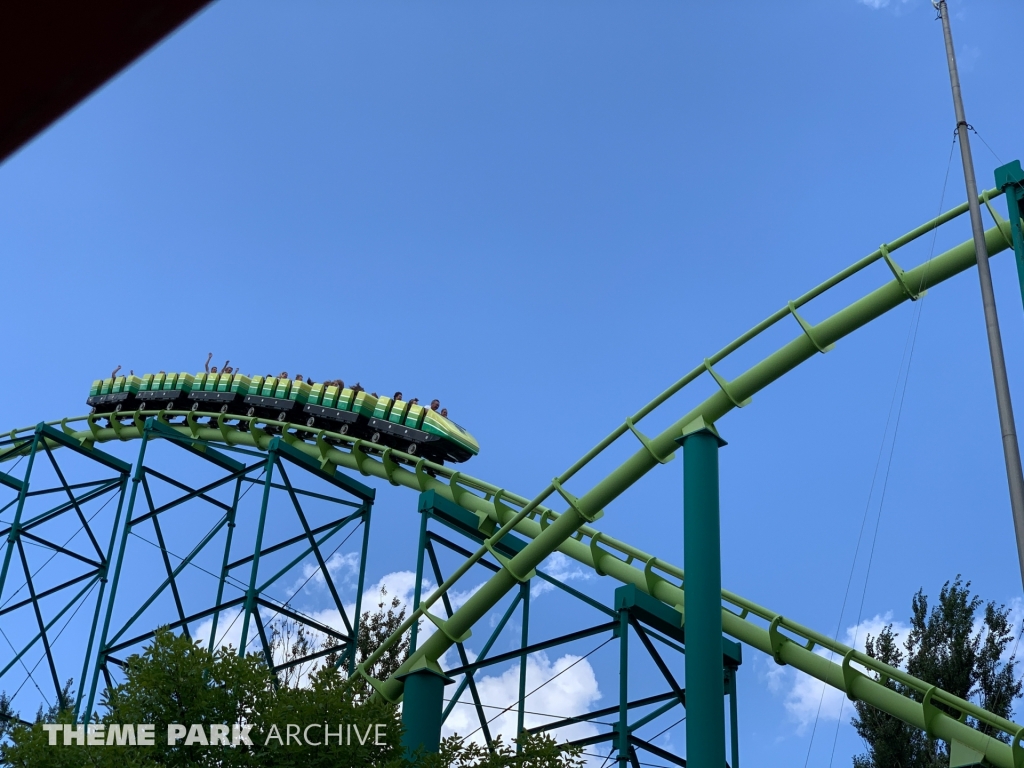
x=216, y=563
x=58, y=526
x=635, y=617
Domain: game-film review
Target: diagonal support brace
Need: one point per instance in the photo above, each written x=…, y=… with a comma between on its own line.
x=573, y=502
x=809, y=330
x=1004, y=226
x=442, y=625
x=724, y=385
x=645, y=441
x=506, y=563
x=898, y=273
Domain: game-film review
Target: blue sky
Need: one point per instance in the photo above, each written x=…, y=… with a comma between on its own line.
x=544, y=213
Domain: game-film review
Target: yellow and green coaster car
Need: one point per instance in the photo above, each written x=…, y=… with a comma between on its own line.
x=164, y=391
x=397, y=424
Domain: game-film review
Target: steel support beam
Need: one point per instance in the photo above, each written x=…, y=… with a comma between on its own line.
x=422, y=711
x=31, y=528
x=1010, y=181
x=248, y=594
x=702, y=564
x=652, y=622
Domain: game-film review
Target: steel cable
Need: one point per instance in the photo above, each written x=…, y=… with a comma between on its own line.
x=550, y=679
x=911, y=343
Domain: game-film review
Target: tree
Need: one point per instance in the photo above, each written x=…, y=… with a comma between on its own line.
x=8, y=717
x=177, y=681
x=292, y=647
x=374, y=629
x=944, y=648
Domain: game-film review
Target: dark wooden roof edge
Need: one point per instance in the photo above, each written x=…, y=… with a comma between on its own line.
x=54, y=54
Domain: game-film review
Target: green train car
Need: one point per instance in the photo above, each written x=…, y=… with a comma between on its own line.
x=398, y=424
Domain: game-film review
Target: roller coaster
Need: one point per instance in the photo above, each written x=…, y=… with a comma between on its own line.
x=510, y=535
x=344, y=410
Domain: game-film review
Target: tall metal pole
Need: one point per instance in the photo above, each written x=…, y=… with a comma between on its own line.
x=1011, y=451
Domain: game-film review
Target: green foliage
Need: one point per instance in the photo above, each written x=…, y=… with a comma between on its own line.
x=374, y=629
x=945, y=649
x=535, y=752
x=7, y=715
x=293, y=647
x=539, y=751
x=177, y=681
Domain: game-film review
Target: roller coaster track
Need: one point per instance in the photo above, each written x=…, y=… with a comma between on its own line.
x=571, y=532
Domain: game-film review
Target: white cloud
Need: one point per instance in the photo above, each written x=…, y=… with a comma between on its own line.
x=229, y=629
x=856, y=637
x=808, y=699
x=772, y=675
x=572, y=690
x=560, y=567
x=1016, y=617
x=399, y=584
x=968, y=57
x=879, y=4
x=343, y=570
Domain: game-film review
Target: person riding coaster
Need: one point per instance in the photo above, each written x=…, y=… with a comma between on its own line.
x=292, y=403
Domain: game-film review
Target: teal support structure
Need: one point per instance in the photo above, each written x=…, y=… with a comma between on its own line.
x=524, y=592
x=734, y=730
x=1010, y=180
x=306, y=520
x=622, y=726
x=418, y=588
x=656, y=626
x=702, y=566
x=423, y=711
x=35, y=607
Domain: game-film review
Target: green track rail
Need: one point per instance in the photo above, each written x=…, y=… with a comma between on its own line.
x=941, y=714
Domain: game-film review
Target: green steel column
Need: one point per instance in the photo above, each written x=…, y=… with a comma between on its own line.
x=126, y=529
x=1010, y=179
x=622, y=726
x=524, y=591
x=423, y=710
x=702, y=567
x=353, y=643
x=231, y=513
x=734, y=729
x=104, y=573
x=251, y=593
x=12, y=535
x=418, y=586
